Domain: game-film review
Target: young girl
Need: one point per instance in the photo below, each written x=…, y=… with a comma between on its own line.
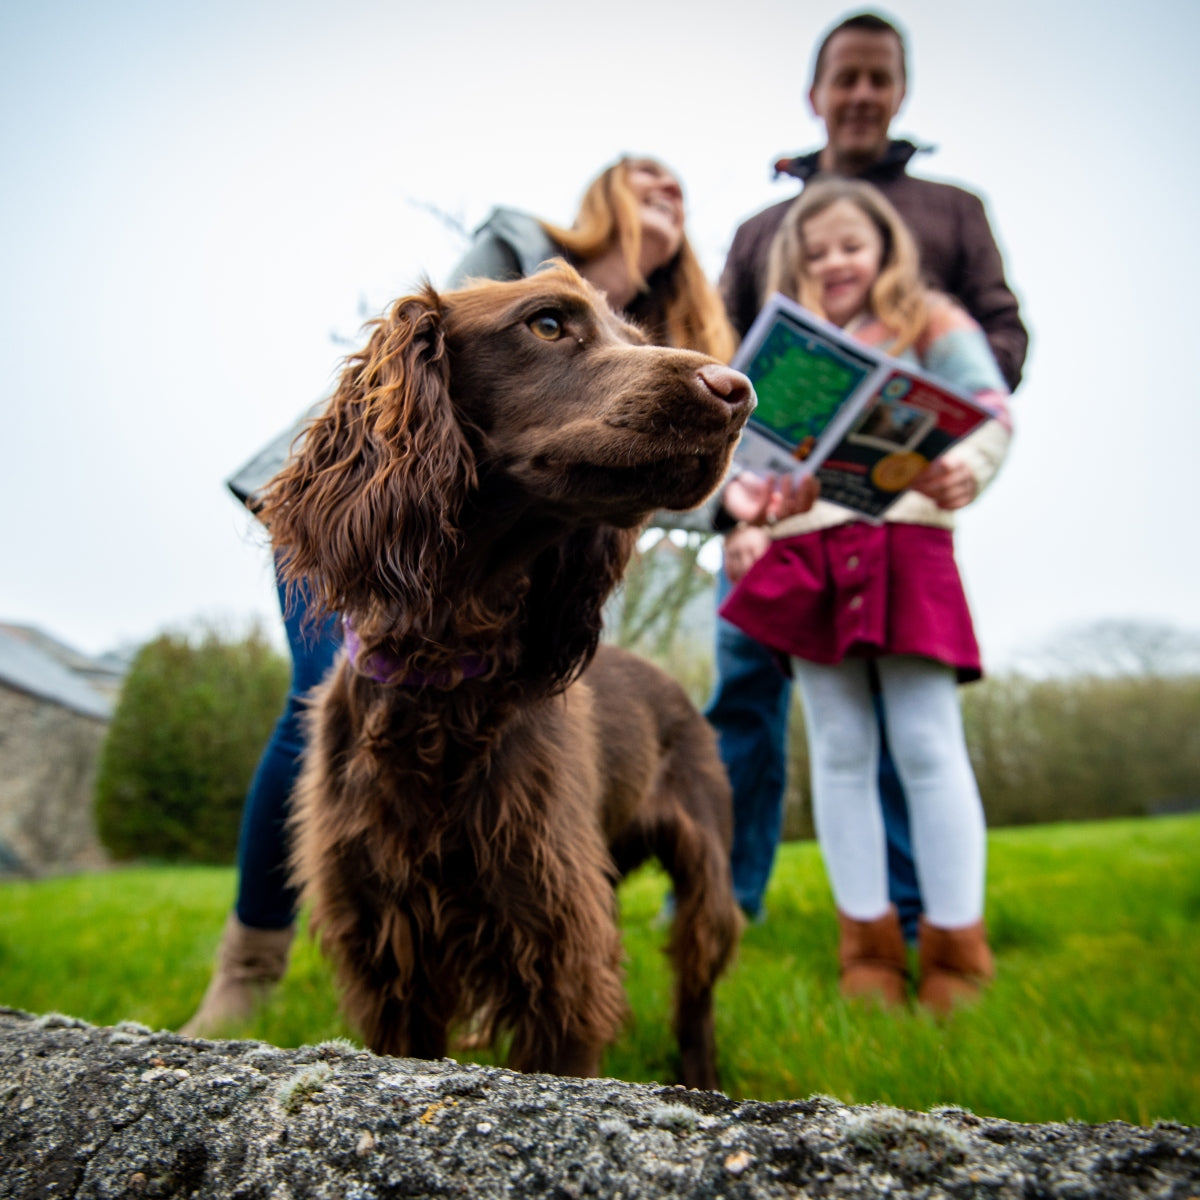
x=852, y=602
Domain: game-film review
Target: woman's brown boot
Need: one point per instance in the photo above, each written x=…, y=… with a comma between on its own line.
x=955, y=965
x=250, y=962
x=874, y=959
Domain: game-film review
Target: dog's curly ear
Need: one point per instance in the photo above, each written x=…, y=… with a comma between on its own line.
x=369, y=502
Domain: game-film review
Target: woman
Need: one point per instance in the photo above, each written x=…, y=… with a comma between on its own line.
x=628, y=240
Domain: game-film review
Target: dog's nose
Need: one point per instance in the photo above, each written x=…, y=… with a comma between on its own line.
x=729, y=385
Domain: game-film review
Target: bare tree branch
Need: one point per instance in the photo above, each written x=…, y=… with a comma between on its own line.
x=1115, y=648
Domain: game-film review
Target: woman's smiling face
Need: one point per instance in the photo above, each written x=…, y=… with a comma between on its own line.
x=660, y=207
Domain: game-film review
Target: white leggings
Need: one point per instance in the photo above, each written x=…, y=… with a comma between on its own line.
x=925, y=737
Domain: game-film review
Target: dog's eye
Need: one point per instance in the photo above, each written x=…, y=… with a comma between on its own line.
x=547, y=326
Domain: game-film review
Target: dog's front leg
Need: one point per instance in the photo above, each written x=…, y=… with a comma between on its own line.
x=574, y=997
x=386, y=993
x=555, y=1042
x=569, y=1056
x=407, y=1029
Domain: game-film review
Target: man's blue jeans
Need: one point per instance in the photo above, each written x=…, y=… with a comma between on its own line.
x=903, y=889
x=749, y=711
x=265, y=899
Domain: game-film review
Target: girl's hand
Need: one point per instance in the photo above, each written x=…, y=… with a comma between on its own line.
x=744, y=546
x=763, y=501
x=948, y=484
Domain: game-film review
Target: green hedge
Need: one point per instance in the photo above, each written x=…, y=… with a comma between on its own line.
x=1084, y=748
x=194, y=715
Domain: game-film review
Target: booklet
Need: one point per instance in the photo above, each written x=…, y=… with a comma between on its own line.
x=866, y=424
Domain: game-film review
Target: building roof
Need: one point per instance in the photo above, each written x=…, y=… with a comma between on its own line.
x=28, y=667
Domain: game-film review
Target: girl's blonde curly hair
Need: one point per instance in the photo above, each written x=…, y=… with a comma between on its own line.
x=898, y=299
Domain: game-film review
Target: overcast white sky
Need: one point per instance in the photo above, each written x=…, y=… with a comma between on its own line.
x=195, y=197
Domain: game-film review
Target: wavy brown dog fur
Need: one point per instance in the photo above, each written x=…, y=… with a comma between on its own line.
x=468, y=501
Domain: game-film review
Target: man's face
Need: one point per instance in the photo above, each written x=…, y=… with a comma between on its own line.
x=860, y=90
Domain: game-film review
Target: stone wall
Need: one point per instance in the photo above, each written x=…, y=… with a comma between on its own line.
x=48, y=757
x=124, y=1112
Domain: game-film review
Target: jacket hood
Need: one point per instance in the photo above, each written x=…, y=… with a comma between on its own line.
x=524, y=235
x=894, y=161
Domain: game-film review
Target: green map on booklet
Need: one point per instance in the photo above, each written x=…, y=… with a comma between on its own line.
x=865, y=423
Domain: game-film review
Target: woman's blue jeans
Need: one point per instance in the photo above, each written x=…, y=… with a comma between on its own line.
x=265, y=899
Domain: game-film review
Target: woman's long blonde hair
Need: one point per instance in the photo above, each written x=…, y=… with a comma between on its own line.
x=898, y=297
x=677, y=305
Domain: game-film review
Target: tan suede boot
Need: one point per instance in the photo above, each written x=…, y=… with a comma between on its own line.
x=955, y=965
x=874, y=959
x=250, y=962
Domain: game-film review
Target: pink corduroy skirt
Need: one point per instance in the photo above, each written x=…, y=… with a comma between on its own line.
x=860, y=590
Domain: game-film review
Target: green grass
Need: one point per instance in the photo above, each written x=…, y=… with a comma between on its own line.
x=1094, y=1016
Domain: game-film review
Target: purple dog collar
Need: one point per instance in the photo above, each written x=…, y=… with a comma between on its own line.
x=383, y=668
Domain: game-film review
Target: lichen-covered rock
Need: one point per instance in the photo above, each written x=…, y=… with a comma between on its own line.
x=126, y=1112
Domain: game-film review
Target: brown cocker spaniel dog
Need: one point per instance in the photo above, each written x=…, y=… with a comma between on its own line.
x=479, y=773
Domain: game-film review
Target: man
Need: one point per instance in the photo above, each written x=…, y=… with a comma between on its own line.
x=858, y=85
